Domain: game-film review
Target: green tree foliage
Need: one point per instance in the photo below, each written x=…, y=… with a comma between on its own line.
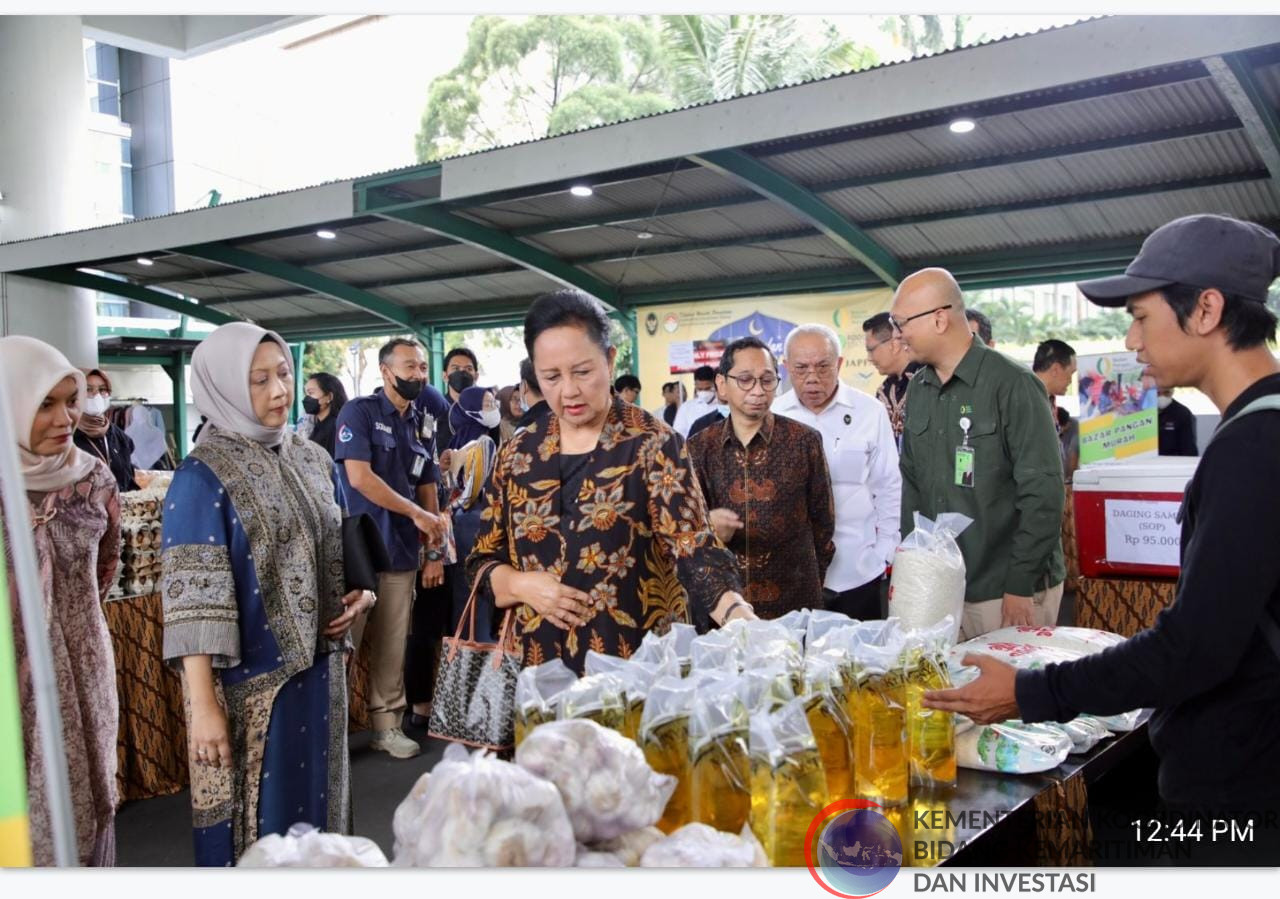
x=525, y=79
x=930, y=34
x=541, y=76
x=718, y=57
x=325, y=356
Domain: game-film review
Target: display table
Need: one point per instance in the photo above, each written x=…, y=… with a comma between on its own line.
x=1121, y=605
x=1015, y=819
x=152, y=742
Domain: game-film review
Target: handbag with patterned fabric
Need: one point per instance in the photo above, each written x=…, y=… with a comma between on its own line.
x=475, y=696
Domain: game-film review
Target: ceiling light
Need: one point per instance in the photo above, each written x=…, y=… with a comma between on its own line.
x=962, y=126
x=141, y=349
x=581, y=190
x=143, y=260
x=644, y=235
x=325, y=234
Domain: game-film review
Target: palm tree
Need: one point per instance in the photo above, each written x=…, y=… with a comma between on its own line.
x=718, y=57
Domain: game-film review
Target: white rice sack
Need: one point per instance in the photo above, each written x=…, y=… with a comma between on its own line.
x=607, y=786
x=701, y=846
x=1023, y=656
x=928, y=581
x=305, y=847
x=477, y=811
x=1084, y=640
x=1013, y=747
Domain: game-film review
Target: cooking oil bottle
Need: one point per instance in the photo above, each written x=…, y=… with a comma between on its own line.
x=788, y=786
x=664, y=739
x=931, y=733
x=718, y=732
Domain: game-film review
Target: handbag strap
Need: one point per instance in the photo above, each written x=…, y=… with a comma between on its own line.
x=506, y=637
x=468, y=617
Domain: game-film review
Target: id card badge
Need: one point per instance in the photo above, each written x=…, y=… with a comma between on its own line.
x=964, y=457
x=419, y=463
x=964, y=466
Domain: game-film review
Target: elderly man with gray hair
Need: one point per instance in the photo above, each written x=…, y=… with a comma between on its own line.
x=862, y=456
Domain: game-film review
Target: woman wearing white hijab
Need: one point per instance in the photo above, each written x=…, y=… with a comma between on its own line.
x=254, y=606
x=75, y=514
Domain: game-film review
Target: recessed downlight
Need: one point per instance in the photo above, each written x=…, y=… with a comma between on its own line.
x=962, y=126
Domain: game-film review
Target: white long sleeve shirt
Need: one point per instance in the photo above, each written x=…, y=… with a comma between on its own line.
x=690, y=411
x=866, y=484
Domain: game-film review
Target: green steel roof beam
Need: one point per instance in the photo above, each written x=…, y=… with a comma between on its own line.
x=1129, y=140
x=399, y=281
x=507, y=247
x=75, y=278
x=316, y=283
x=804, y=203
x=1235, y=79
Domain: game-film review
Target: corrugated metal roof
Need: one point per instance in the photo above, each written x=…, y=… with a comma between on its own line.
x=1269, y=81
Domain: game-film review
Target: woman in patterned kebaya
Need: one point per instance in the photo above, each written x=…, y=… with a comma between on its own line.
x=596, y=531
x=254, y=605
x=74, y=507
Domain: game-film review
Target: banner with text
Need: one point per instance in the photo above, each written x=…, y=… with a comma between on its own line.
x=1117, y=409
x=675, y=339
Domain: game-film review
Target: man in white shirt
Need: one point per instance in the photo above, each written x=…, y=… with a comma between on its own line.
x=862, y=456
x=704, y=400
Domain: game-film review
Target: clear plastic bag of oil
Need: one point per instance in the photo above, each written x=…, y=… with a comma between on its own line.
x=931, y=733
x=538, y=692
x=718, y=734
x=596, y=697
x=664, y=739
x=788, y=784
x=880, y=719
x=832, y=728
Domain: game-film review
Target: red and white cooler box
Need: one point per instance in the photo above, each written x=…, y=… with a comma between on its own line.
x=1126, y=515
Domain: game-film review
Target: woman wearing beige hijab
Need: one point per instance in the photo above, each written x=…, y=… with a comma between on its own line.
x=254, y=605
x=75, y=515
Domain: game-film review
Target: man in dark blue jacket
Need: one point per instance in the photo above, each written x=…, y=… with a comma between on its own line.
x=1210, y=666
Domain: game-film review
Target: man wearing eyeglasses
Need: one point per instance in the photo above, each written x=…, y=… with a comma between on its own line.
x=980, y=440
x=862, y=456
x=889, y=355
x=766, y=483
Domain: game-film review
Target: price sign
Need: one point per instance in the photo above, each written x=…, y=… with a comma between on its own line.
x=1142, y=532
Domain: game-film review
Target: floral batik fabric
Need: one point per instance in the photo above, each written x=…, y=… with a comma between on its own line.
x=77, y=541
x=633, y=535
x=252, y=573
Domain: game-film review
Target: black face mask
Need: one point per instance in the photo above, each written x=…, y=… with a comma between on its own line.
x=310, y=405
x=409, y=390
x=461, y=380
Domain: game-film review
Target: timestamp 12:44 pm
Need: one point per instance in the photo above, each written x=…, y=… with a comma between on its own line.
x=1226, y=830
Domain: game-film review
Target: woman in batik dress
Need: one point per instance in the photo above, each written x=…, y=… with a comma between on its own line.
x=596, y=531
x=254, y=605
x=74, y=507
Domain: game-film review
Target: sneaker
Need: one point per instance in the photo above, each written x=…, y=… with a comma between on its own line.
x=395, y=744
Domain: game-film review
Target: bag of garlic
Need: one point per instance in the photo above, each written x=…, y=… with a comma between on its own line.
x=1013, y=747
x=305, y=847
x=700, y=846
x=607, y=786
x=788, y=785
x=928, y=581
x=538, y=692
x=664, y=739
x=477, y=811
x=630, y=847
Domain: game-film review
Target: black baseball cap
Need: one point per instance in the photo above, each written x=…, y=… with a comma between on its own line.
x=1237, y=257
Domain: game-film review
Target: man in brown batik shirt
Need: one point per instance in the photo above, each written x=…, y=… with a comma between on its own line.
x=766, y=483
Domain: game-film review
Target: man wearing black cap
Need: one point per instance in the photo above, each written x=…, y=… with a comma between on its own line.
x=1210, y=666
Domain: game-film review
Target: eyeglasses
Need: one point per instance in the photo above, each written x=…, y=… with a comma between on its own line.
x=899, y=324
x=872, y=347
x=748, y=382
x=821, y=369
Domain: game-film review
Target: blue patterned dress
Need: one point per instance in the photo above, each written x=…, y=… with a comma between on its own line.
x=252, y=573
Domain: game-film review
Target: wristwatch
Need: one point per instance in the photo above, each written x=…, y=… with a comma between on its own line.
x=434, y=555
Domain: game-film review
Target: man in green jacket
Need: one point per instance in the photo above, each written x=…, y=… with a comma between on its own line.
x=980, y=440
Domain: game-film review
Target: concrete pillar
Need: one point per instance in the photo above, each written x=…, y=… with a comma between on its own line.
x=44, y=170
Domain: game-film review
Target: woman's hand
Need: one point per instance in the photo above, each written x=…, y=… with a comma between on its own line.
x=563, y=606
x=355, y=602
x=210, y=741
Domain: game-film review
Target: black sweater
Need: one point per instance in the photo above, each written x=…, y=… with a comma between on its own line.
x=116, y=449
x=1205, y=666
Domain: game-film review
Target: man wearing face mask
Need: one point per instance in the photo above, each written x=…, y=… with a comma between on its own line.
x=388, y=474
x=531, y=401
x=704, y=400
x=1177, y=426
x=460, y=371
